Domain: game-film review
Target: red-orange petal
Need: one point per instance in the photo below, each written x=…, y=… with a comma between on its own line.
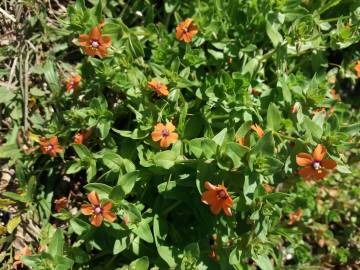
x=96, y=220
x=320, y=174
x=173, y=137
x=90, y=51
x=53, y=140
x=328, y=164
x=319, y=152
x=170, y=127
x=159, y=127
x=84, y=40
x=307, y=172
x=93, y=198
x=228, y=201
x=210, y=186
x=156, y=136
x=164, y=142
x=209, y=197
x=58, y=149
x=107, y=206
x=109, y=216
x=258, y=130
x=304, y=159
x=106, y=41
x=87, y=209
x=102, y=51
x=227, y=210
x=95, y=33
x=216, y=207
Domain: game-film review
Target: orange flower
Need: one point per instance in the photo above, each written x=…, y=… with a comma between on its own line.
x=160, y=88
x=186, y=30
x=295, y=216
x=97, y=211
x=25, y=251
x=241, y=141
x=82, y=136
x=126, y=219
x=95, y=43
x=165, y=134
x=357, y=68
x=258, y=130
x=255, y=92
x=334, y=95
x=60, y=204
x=218, y=198
x=315, y=165
x=50, y=146
x=267, y=188
x=316, y=110
x=295, y=107
x=72, y=83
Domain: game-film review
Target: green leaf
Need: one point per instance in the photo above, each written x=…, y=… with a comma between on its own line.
x=350, y=129
x=104, y=126
x=135, y=46
x=56, y=244
x=117, y=194
x=74, y=168
x=192, y=250
x=249, y=188
x=127, y=181
x=166, y=253
x=9, y=151
x=220, y=137
x=120, y=245
x=12, y=224
x=235, y=152
x=6, y=95
x=79, y=226
x=140, y=264
x=51, y=77
x=265, y=145
x=311, y=127
x=82, y=151
x=63, y=263
x=235, y=258
x=98, y=11
x=263, y=262
x=165, y=159
x=91, y=170
x=136, y=134
x=99, y=188
x=251, y=67
x=16, y=197
x=273, y=117
x=195, y=147
x=273, y=34
x=143, y=231
x=209, y=148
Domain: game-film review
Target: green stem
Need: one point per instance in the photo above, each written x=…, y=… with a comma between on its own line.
x=171, y=207
x=287, y=136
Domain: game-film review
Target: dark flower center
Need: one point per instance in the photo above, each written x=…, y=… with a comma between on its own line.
x=97, y=210
x=316, y=165
x=165, y=133
x=50, y=147
x=186, y=30
x=222, y=194
x=94, y=43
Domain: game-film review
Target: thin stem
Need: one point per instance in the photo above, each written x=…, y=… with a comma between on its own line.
x=171, y=207
x=287, y=137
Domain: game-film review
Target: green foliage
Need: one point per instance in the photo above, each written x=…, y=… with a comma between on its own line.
x=270, y=63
